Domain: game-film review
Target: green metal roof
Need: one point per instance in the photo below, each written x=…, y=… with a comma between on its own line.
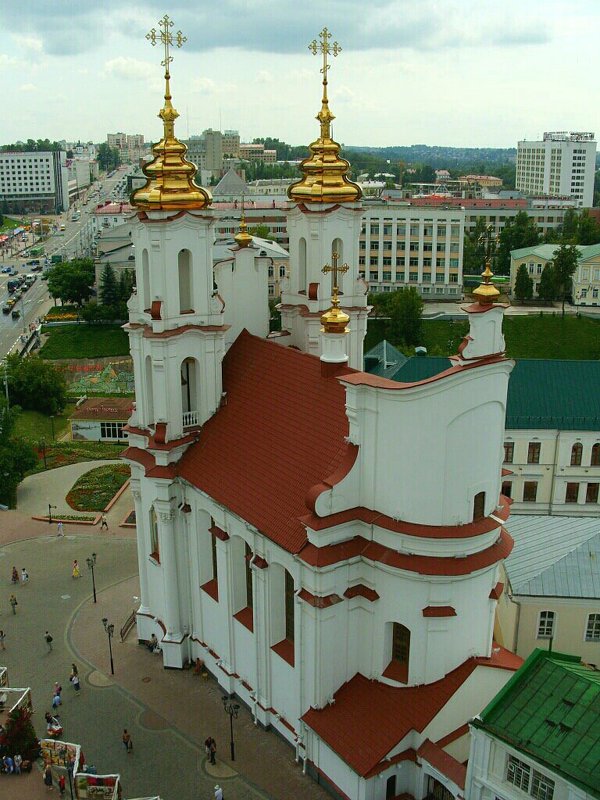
x=547, y=251
x=550, y=711
x=384, y=359
x=542, y=393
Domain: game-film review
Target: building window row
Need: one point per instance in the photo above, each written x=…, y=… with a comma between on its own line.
x=534, y=452
x=529, y=780
x=546, y=626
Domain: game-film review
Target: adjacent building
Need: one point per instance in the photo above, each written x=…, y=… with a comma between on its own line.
x=539, y=737
x=562, y=163
x=551, y=595
x=131, y=146
x=101, y=419
x=35, y=181
x=586, y=279
x=257, y=152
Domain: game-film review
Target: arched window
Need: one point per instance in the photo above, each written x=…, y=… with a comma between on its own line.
x=397, y=669
x=184, y=267
x=595, y=459
x=282, y=271
x=478, y=506
x=576, y=454
x=189, y=392
x=145, y=280
x=282, y=613
x=302, y=265
x=154, y=548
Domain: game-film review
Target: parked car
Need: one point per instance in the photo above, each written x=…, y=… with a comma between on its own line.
x=35, y=262
x=15, y=313
x=6, y=309
x=7, y=269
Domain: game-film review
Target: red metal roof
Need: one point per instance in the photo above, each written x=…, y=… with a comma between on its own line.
x=274, y=394
x=443, y=762
x=369, y=718
x=118, y=408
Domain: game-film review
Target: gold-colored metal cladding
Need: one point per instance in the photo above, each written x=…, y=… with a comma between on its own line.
x=325, y=173
x=335, y=320
x=170, y=176
x=243, y=238
x=486, y=293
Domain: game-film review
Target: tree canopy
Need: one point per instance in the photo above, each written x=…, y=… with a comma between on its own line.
x=72, y=281
x=565, y=264
x=406, y=308
x=521, y=231
x=35, y=384
x=523, y=285
x=474, y=248
x=17, y=456
x=547, y=284
x=108, y=157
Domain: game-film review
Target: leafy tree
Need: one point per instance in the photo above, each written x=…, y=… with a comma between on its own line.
x=126, y=284
x=565, y=264
x=518, y=232
x=262, y=231
x=406, y=322
x=109, y=289
x=523, y=285
x=474, y=249
x=35, y=384
x=17, y=456
x=382, y=303
x=588, y=230
x=91, y=313
x=108, y=157
x=569, y=231
x=547, y=284
x=72, y=281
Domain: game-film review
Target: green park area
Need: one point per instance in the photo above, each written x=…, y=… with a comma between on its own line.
x=84, y=341
x=94, y=490
x=8, y=224
x=531, y=336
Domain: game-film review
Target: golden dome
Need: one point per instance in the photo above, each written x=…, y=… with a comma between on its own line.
x=486, y=293
x=335, y=320
x=243, y=238
x=170, y=184
x=325, y=173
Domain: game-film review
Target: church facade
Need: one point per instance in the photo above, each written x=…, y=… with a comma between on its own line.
x=326, y=541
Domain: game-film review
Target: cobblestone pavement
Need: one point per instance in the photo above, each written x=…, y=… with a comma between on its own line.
x=169, y=713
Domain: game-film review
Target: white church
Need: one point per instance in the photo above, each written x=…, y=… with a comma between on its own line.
x=326, y=541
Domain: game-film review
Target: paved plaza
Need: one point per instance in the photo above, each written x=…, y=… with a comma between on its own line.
x=169, y=713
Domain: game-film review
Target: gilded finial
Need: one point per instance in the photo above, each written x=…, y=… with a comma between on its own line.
x=243, y=238
x=170, y=175
x=486, y=293
x=335, y=320
x=325, y=173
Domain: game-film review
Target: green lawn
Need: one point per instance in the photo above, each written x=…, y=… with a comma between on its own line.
x=532, y=336
x=34, y=426
x=61, y=454
x=9, y=224
x=85, y=341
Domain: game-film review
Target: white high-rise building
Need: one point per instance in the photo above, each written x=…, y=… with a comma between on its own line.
x=35, y=180
x=561, y=164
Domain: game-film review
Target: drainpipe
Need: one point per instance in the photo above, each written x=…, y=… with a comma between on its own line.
x=553, y=472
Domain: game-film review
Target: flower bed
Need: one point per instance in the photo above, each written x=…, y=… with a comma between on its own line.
x=94, y=490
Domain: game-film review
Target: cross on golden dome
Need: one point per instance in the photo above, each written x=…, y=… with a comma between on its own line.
x=486, y=292
x=325, y=48
x=335, y=320
x=166, y=38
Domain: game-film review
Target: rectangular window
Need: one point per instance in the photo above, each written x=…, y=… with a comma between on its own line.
x=546, y=625
x=289, y=607
x=530, y=491
x=509, y=452
x=154, y=548
x=518, y=773
x=533, y=452
x=413, y=276
x=374, y=245
x=591, y=493
x=507, y=488
x=542, y=788
x=572, y=493
x=592, y=629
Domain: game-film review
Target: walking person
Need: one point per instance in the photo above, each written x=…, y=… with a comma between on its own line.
x=75, y=681
x=48, y=638
x=59, y=529
x=24, y=576
x=210, y=747
x=75, y=572
x=15, y=575
x=2, y=638
x=18, y=759
x=104, y=523
x=48, y=776
x=13, y=603
x=126, y=739
x=219, y=793
x=62, y=785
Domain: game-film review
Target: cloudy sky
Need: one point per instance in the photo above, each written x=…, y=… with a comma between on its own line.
x=447, y=72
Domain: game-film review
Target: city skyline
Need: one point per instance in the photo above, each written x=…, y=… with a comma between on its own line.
x=447, y=72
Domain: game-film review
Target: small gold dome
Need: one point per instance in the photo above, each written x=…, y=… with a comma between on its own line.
x=243, y=239
x=486, y=293
x=335, y=320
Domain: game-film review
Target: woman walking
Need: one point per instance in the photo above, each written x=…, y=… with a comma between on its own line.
x=76, y=573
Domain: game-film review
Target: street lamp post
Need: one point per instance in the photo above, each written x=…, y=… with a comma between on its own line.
x=42, y=449
x=232, y=709
x=52, y=424
x=50, y=507
x=91, y=562
x=110, y=629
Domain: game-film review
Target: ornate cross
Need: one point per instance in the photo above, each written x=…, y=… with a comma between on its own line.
x=489, y=240
x=324, y=47
x=335, y=269
x=167, y=38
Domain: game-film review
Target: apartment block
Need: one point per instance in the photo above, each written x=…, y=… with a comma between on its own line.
x=561, y=164
x=131, y=146
x=257, y=152
x=407, y=245
x=35, y=181
x=231, y=144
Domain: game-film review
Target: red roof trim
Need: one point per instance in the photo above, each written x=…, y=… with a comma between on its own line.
x=506, y=472
x=443, y=762
x=302, y=207
x=319, y=601
x=137, y=431
x=470, y=529
x=482, y=308
x=410, y=754
x=359, y=547
x=165, y=472
x=259, y=562
x=347, y=462
x=439, y=611
x=496, y=592
x=453, y=736
x=360, y=590
x=168, y=334
x=142, y=457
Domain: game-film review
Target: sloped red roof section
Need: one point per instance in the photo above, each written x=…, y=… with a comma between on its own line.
x=280, y=431
x=369, y=718
x=444, y=762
